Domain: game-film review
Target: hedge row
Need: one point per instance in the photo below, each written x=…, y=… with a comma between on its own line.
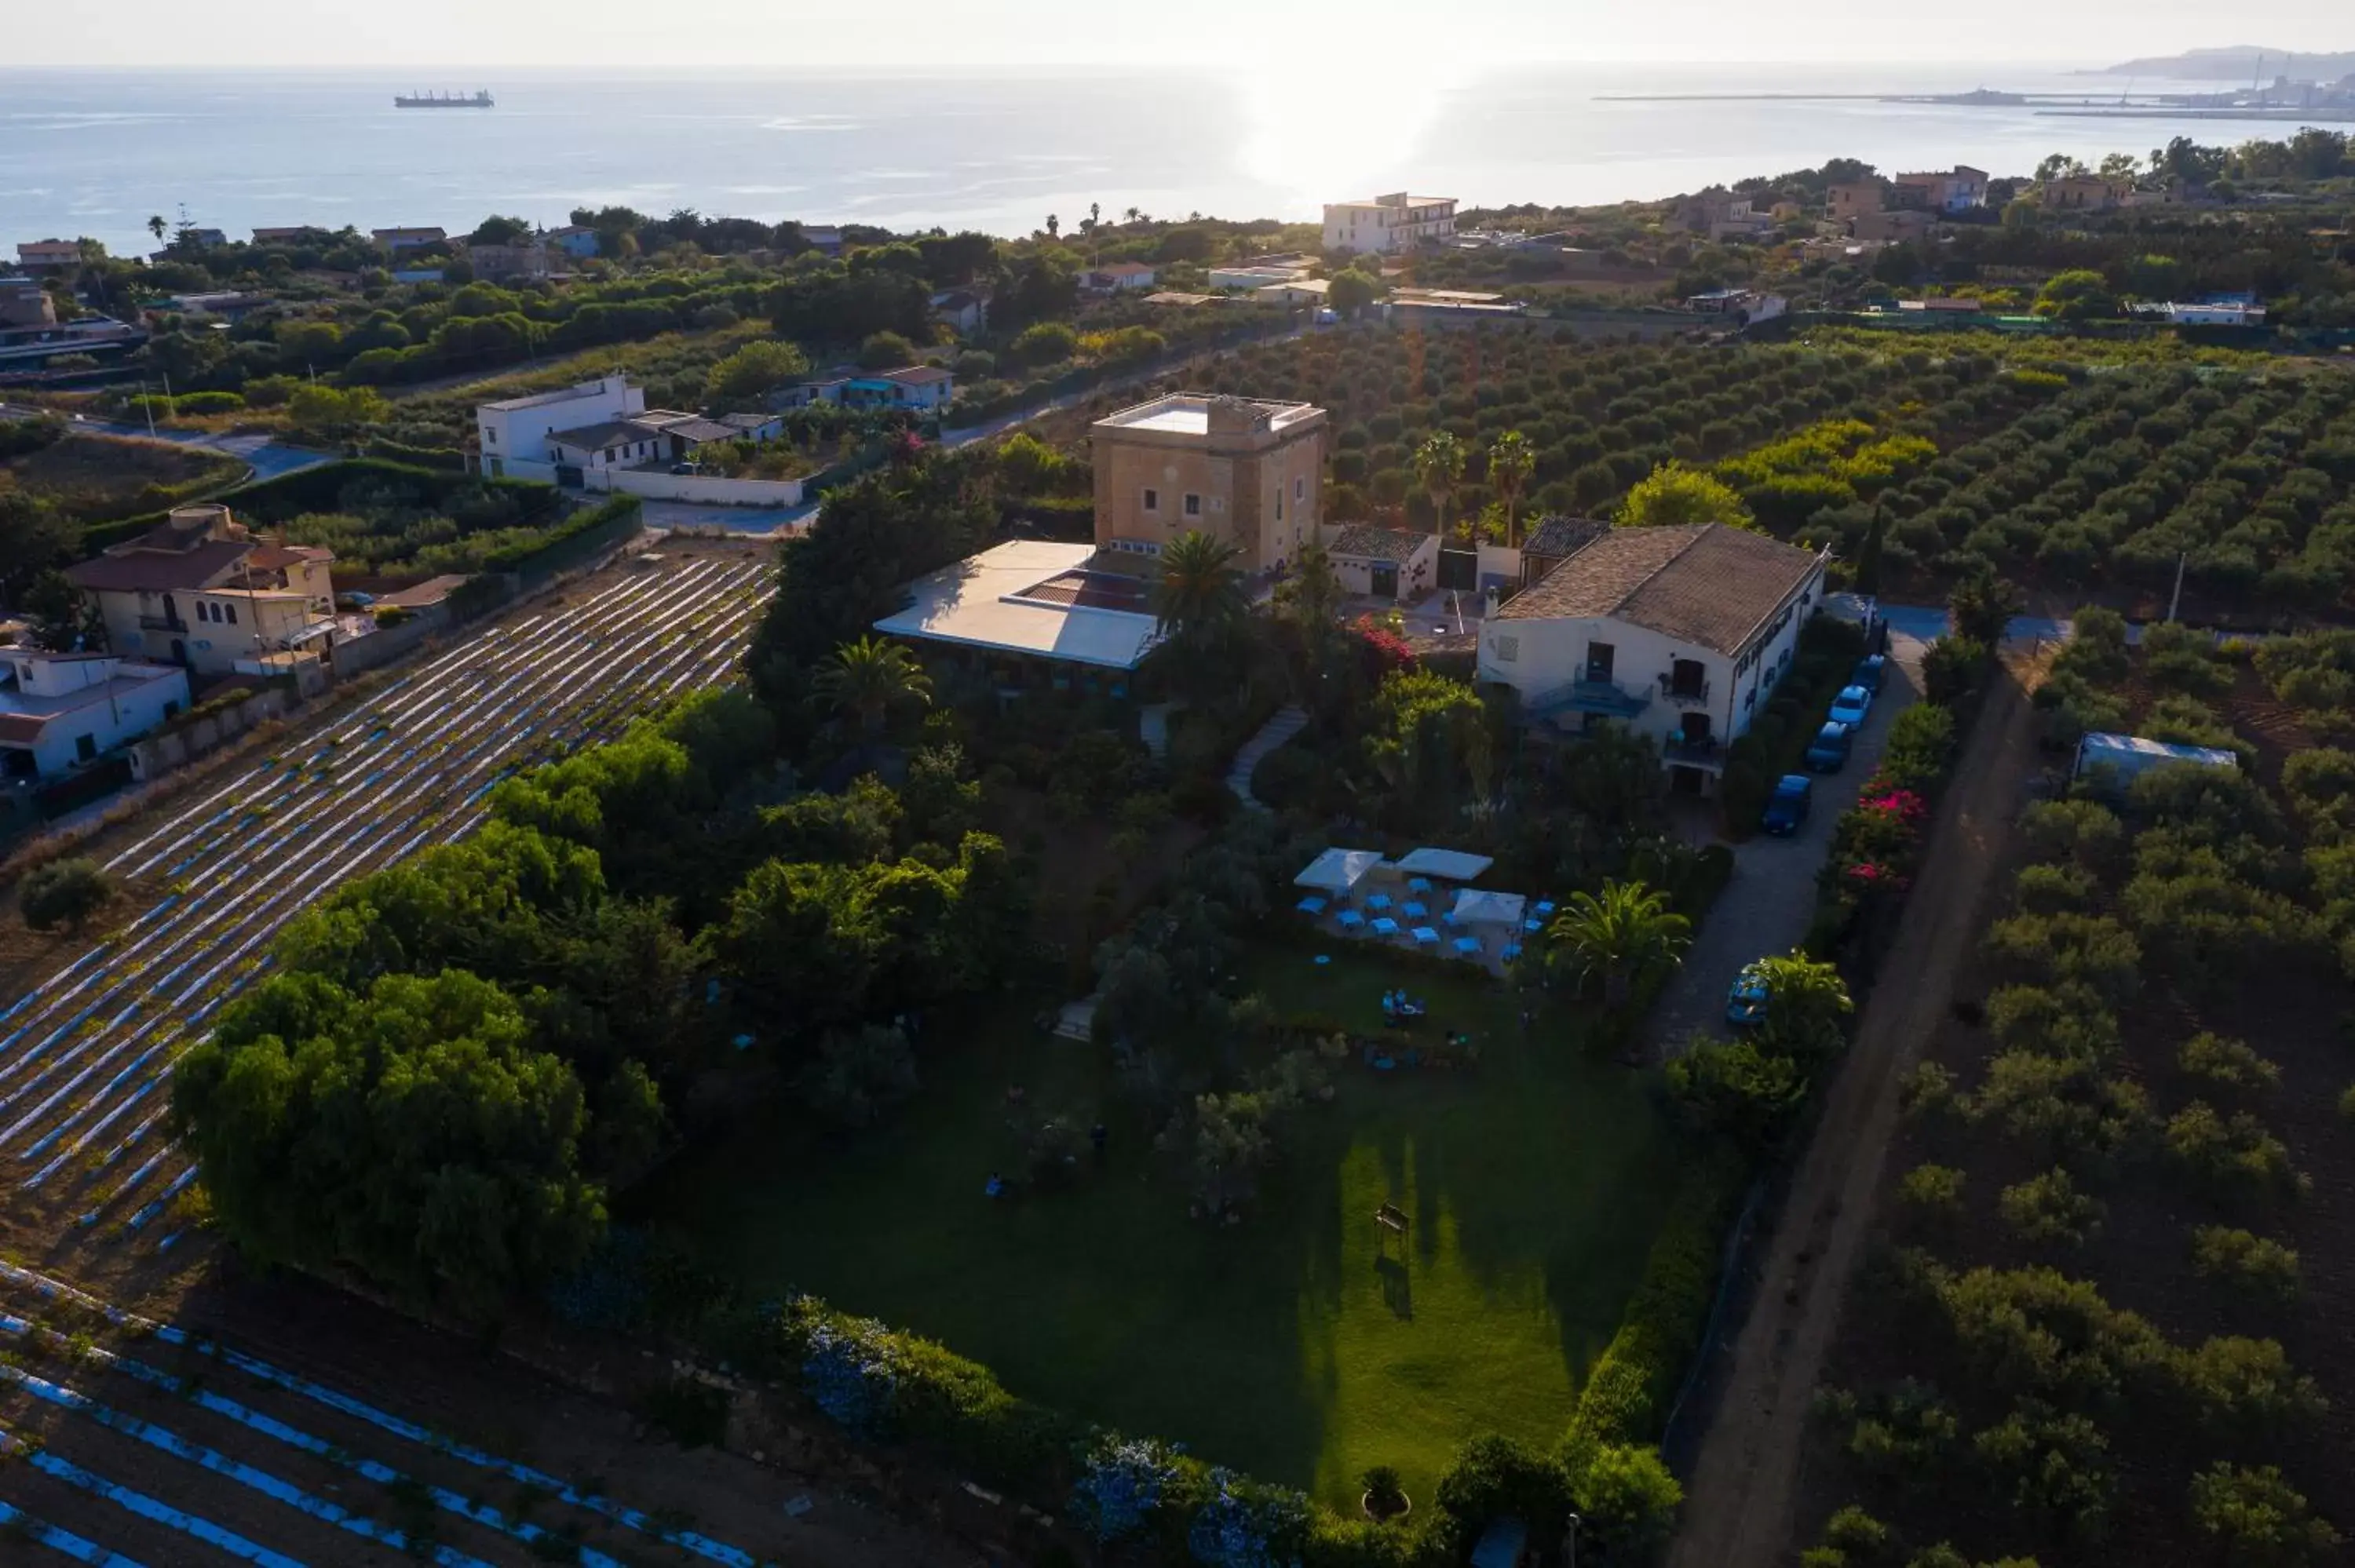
x=881, y=1384
x=575, y=539
x=444, y=458
x=1633, y=1384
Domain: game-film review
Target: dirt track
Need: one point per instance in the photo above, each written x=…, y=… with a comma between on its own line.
x=1739, y=1497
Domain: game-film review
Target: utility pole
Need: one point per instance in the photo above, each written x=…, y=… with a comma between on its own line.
x=2175, y=599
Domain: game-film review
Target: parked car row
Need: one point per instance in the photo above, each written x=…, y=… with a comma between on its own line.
x=1794, y=796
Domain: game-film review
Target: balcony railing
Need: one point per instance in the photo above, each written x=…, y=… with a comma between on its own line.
x=162, y=623
x=1684, y=694
x=1591, y=697
x=1696, y=753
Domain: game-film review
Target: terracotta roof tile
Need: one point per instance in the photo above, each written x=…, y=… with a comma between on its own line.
x=1368, y=542
x=1706, y=584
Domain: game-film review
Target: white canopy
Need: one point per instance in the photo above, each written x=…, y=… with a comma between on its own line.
x=1451, y=865
x=1474, y=906
x=1339, y=870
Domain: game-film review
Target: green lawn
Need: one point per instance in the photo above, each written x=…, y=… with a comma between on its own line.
x=1281, y=1345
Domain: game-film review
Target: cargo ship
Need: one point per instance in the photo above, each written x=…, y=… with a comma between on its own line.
x=477, y=100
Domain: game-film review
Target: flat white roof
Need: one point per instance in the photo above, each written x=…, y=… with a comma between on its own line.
x=979, y=603
x=1448, y=865
x=1188, y=414
x=1337, y=870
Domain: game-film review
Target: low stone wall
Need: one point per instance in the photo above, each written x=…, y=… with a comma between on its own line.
x=160, y=754
x=390, y=643
x=702, y=488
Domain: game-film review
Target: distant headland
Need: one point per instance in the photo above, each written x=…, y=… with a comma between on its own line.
x=2237, y=62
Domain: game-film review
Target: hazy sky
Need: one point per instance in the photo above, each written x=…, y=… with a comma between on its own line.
x=1390, y=35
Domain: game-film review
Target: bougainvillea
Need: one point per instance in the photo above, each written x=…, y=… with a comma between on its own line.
x=846, y=1371
x=1246, y=1524
x=1125, y=1480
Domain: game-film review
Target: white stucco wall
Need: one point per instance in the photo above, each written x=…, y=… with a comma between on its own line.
x=1551, y=653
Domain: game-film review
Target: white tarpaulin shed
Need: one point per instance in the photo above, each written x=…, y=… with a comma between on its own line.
x=1337, y=870
x=1473, y=906
x=1448, y=865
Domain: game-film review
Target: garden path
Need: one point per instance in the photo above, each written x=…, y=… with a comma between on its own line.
x=1286, y=723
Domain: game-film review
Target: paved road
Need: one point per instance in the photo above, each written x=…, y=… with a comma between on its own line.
x=1768, y=903
x=266, y=455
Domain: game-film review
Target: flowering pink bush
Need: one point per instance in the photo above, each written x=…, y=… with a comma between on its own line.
x=1386, y=649
x=1905, y=805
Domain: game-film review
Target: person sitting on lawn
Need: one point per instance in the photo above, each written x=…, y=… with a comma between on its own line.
x=996, y=1188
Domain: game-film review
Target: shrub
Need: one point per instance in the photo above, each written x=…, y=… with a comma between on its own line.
x=2054, y=889
x=879, y=1384
x=64, y=893
x=1625, y=1494
x=2049, y=1208
x=1934, y=1191
x=1952, y=668
x=2085, y=832
x=1921, y=747
x=2246, y=1386
x=189, y=404
x=2256, y=1263
x=2051, y=1465
x=2233, y=1154
x=1928, y=1090
x=1853, y=1530
x=2228, y=1064
x=2256, y=1517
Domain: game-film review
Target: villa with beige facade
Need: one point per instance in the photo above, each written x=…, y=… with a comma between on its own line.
x=1242, y=470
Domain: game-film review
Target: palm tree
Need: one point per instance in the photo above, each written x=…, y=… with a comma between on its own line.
x=1200, y=589
x=1438, y=468
x=870, y=678
x=156, y=226
x=1512, y=460
x=1620, y=936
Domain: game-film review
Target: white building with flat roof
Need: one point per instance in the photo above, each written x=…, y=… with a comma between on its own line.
x=1388, y=223
x=517, y=429
x=58, y=711
x=1032, y=601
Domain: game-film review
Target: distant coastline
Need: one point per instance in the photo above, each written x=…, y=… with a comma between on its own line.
x=2237, y=62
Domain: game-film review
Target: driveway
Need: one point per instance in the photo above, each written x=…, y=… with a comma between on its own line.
x=1771, y=898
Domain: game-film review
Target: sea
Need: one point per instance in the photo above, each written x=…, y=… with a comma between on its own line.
x=96, y=152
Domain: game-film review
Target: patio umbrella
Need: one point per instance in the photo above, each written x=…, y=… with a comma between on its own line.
x=1468, y=946
x=1352, y=919
x=1413, y=911
x=1512, y=952
x=1386, y=927
x=1311, y=906
x=1533, y=926
x=1418, y=885
x=1424, y=934
x=1545, y=906
x=1378, y=901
